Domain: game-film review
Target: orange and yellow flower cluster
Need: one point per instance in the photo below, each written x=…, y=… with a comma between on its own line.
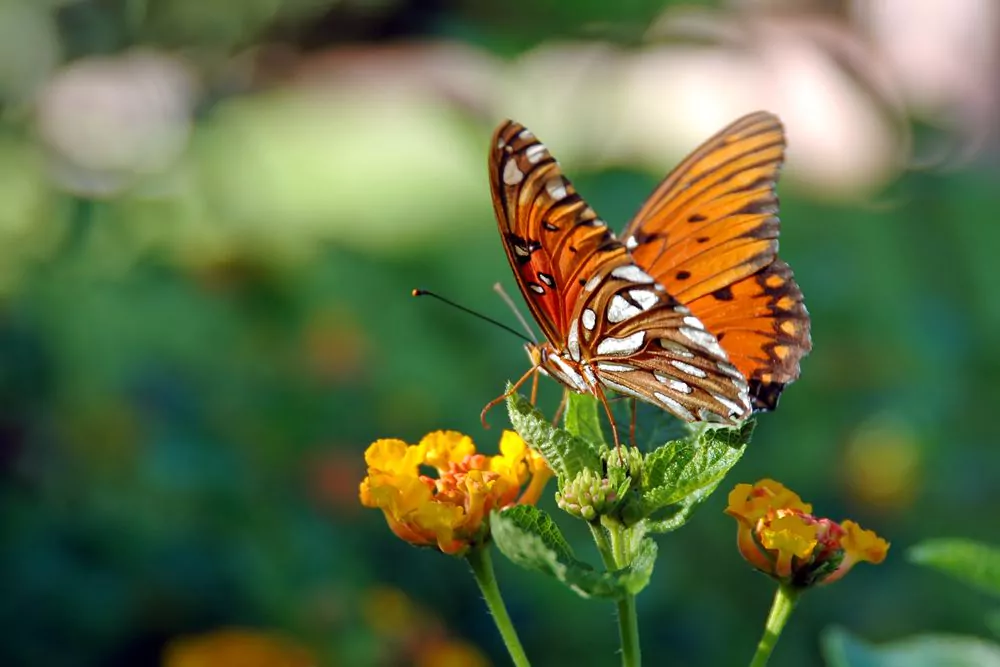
x=450, y=509
x=779, y=536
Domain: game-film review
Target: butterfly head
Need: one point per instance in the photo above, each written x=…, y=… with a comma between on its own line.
x=535, y=354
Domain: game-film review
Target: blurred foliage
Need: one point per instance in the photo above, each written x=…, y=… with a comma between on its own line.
x=204, y=324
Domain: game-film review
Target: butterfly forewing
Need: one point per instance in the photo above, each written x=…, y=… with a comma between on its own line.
x=554, y=241
x=604, y=315
x=709, y=234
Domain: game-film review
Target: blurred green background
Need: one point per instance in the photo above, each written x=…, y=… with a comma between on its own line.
x=212, y=213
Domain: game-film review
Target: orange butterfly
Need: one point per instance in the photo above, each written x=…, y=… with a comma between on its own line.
x=693, y=313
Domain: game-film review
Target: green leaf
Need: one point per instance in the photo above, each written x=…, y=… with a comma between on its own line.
x=636, y=576
x=973, y=563
x=566, y=454
x=841, y=649
x=681, y=474
x=654, y=426
x=583, y=418
x=529, y=537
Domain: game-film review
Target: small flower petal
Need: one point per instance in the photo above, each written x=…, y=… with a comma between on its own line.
x=863, y=544
x=751, y=502
x=392, y=456
x=442, y=448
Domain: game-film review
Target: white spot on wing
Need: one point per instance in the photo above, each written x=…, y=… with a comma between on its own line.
x=745, y=399
x=622, y=389
x=674, y=406
x=703, y=339
x=534, y=153
x=556, y=187
x=676, y=348
x=631, y=243
x=573, y=341
x=589, y=318
x=617, y=368
x=620, y=310
x=673, y=383
x=593, y=283
x=730, y=370
x=569, y=376
x=626, y=345
x=693, y=321
x=511, y=174
x=526, y=134
x=536, y=288
x=734, y=409
x=589, y=374
x=520, y=250
x=644, y=298
x=693, y=371
x=632, y=273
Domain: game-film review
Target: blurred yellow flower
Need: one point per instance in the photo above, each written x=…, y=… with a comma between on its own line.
x=779, y=536
x=449, y=510
x=451, y=653
x=235, y=647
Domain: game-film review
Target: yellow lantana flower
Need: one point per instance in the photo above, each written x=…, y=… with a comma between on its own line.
x=779, y=536
x=449, y=510
x=236, y=647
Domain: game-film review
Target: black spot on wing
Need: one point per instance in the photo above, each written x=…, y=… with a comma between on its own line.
x=764, y=395
x=723, y=293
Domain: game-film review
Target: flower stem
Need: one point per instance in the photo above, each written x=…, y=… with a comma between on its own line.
x=482, y=570
x=628, y=630
x=603, y=545
x=610, y=544
x=784, y=603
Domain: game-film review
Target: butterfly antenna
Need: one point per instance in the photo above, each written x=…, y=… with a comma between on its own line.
x=422, y=292
x=498, y=288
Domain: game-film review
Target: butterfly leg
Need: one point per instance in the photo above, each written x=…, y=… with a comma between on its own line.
x=632, y=426
x=503, y=397
x=534, y=388
x=607, y=408
x=561, y=408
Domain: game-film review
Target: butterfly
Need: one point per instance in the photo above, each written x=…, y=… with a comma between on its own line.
x=689, y=309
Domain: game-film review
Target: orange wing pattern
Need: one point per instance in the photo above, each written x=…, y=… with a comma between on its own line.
x=608, y=323
x=709, y=235
x=554, y=241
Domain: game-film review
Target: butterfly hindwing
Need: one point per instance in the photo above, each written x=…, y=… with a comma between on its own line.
x=709, y=234
x=764, y=327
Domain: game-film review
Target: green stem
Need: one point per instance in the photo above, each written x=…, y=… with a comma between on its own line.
x=784, y=603
x=603, y=545
x=611, y=541
x=482, y=570
x=628, y=630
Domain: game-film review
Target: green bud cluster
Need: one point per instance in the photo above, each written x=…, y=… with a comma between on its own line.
x=588, y=495
x=624, y=463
